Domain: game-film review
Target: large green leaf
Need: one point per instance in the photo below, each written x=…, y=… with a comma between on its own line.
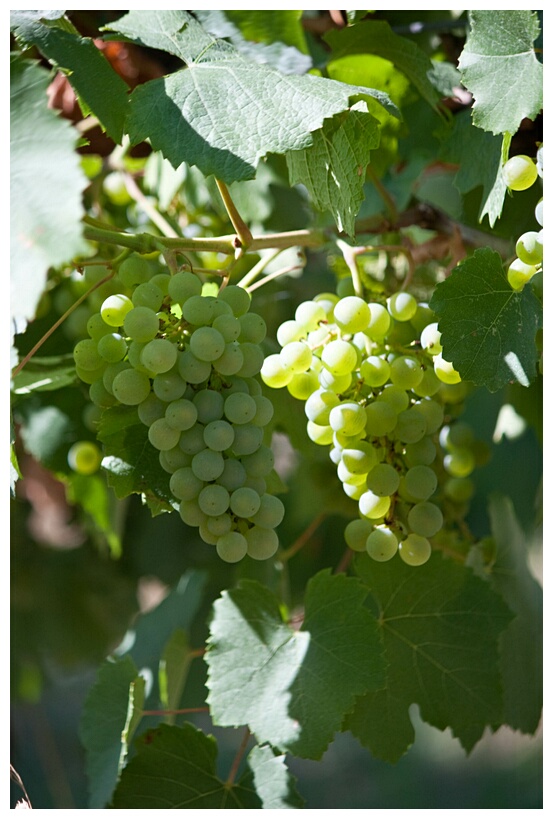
x=175, y=767
x=521, y=644
x=46, y=185
x=376, y=37
x=333, y=168
x=223, y=112
x=440, y=626
x=292, y=688
x=499, y=67
x=488, y=329
x=107, y=713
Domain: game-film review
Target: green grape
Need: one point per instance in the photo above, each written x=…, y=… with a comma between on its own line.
x=109, y=373
x=319, y=405
x=430, y=339
x=237, y=298
x=373, y=506
x=214, y=499
x=264, y=410
x=159, y=355
x=247, y=439
x=84, y=457
x=402, y=306
x=432, y=412
x=147, y=295
x=356, y=534
x=411, y=426
x=245, y=502
x=270, y=513
x=240, y=408
x=347, y=417
x=112, y=347
x=233, y=475
x=340, y=357
x=360, y=459
x=296, y=356
x=395, y=396
x=99, y=396
x=415, y=550
x=218, y=435
x=198, y=310
x=232, y=547
x=252, y=328
x=350, y=477
x=520, y=172
x=379, y=323
x=538, y=213
x=181, y=414
x=172, y=459
x=206, y=534
x=151, y=409
x=381, y=418
x=182, y=285
x=141, y=324
x=309, y=313
x=262, y=543
x=253, y=359
x=207, y=464
x=422, y=452
x=405, y=372
x=375, y=371
x=162, y=436
x=115, y=308
x=229, y=327
x=191, y=514
x=96, y=327
x=290, y=330
x=86, y=355
x=460, y=463
x=420, y=482
x=169, y=386
x=259, y=463
x=302, y=385
x=207, y=344
x=352, y=314
x=520, y=273
x=209, y=404
x=274, y=373
x=219, y=524
x=382, y=544
x=131, y=387
x=445, y=370
x=134, y=270
x=231, y=361
x=192, y=440
x=425, y=519
x=383, y=480
x=529, y=248
x=184, y=484
x=320, y=434
x=459, y=490
x=192, y=369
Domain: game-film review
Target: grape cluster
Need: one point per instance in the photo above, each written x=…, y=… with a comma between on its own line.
x=520, y=173
x=189, y=362
x=376, y=389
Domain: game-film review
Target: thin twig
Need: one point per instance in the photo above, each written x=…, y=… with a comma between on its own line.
x=303, y=538
x=238, y=758
x=271, y=276
x=154, y=215
x=163, y=712
x=242, y=230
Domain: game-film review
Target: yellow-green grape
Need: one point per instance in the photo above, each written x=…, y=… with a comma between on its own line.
x=382, y=544
x=415, y=550
x=115, y=308
x=520, y=273
x=520, y=172
x=84, y=457
x=529, y=247
x=445, y=370
x=402, y=306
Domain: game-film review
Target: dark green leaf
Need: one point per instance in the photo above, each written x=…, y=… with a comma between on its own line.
x=47, y=373
x=292, y=688
x=488, y=330
x=440, y=626
x=499, y=67
x=175, y=767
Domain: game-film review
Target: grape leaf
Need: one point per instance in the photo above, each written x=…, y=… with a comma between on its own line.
x=521, y=644
x=45, y=373
x=488, y=329
x=107, y=709
x=480, y=156
x=223, y=112
x=499, y=67
x=94, y=497
x=376, y=37
x=46, y=185
x=175, y=767
x=273, y=782
x=100, y=89
x=131, y=461
x=440, y=626
x=333, y=168
x=292, y=687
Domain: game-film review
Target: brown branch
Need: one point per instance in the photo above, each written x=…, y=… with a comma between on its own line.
x=237, y=759
x=303, y=538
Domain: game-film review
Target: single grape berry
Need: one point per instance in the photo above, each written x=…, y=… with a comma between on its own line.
x=520, y=172
x=84, y=457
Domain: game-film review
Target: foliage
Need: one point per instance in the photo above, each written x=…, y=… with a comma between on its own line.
x=247, y=164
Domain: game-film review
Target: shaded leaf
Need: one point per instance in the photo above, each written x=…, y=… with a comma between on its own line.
x=175, y=767
x=440, y=626
x=46, y=373
x=333, y=168
x=499, y=67
x=521, y=644
x=273, y=782
x=488, y=329
x=224, y=113
x=292, y=688
x=46, y=185
x=105, y=715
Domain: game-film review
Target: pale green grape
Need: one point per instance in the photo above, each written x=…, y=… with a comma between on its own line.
x=131, y=387
x=445, y=371
x=373, y=506
x=259, y=463
x=86, y=355
x=296, y=356
x=228, y=325
x=264, y=410
x=207, y=464
x=219, y=524
x=262, y=542
x=181, y=414
x=184, y=484
x=379, y=323
x=159, y=355
x=360, y=459
x=253, y=359
x=356, y=534
x=302, y=385
x=112, y=347
x=350, y=477
x=405, y=372
x=395, y=396
x=148, y=295
x=529, y=248
x=274, y=373
x=96, y=327
x=520, y=172
x=309, y=313
x=459, y=490
x=84, y=457
x=430, y=339
x=415, y=550
x=207, y=344
x=134, y=270
x=209, y=404
x=240, y=408
x=402, y=306
x=375, y=371
x=422, y=452
x=198, y=310
x=340, y=357
x=231, y=361
x=381, y=418
x=233, y=475
x=232, y=547
x=115, y=308
x=290, y=330
x=520, y=273
x=141, y=324
x=383, y=480
x=352, y=314
x=219, y=435
x=169, y=386
x=192, y=369
x=319, y=405
x=270, y=513
x=162, y=436
x=99, y=396
x=173, y=459
x=425, y=519
x=183, y=285
x=411, y=426
x=252, y=328
x=214, y=499
x=192, y=440
x=191, y=514
x=151, y=409
x=382, y=544
x=433, y=413
x=460, y=463
x=335, y=383
x=237, y=298
x=347, y=417
x=420, y=482
x=320, y=434
x=247, y=439
x=245, y=502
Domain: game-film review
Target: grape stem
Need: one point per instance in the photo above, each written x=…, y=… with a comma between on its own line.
x=237, y=759
x=242, y=230
x=60, y=321
x=302, y=539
